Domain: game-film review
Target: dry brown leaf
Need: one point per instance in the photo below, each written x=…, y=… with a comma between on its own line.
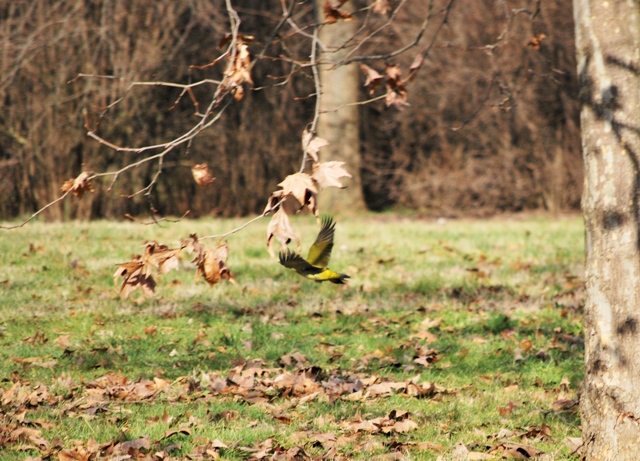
x=242, y=38
x=396, y=89
x=565, y=404
x=181, y=430
x=327, y=174
x=426, y=335
x=477, y=456
x=212, y=264
x=303, y=188
x=79, y=185
x=136, y=274
x=381, y=6
x=373, y=77
x=161, y=256
x=394, y=73
x=280, y=228
x=405, y=425
x=238, y=93
x=415, y=66
x=74, y=454
x=62, y=341
x=239, y=70
x=536, y=41
x=333, y=14
x=201, y=174
x=311, y=144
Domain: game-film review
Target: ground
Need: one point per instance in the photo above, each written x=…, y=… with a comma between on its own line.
x=453, y=339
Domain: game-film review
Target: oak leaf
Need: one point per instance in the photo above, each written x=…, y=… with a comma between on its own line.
x=202, y=175
x=327, y=174
x=79, y=185
x=280, y=228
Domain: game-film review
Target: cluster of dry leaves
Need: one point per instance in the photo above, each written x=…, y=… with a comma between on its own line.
x=238, y=70
x=395, y=85
x=279, y=391
x=138, y=272
x=300, y=190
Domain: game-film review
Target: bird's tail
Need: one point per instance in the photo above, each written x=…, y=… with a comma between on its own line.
x=328, y=275
x=340, y=279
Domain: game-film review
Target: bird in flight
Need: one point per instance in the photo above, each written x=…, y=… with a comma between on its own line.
x=315, y=266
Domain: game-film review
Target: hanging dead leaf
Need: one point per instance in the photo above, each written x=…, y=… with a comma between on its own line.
x=79, y=185
x=327, y=174
x=381, y=7
x=396, y=89
x=192, y=244
x=311, y=144
x=333, y=14
x=536, y=41
x=136, y=274
x=161, y=256
x=212, y=264
x=394, y=73
x=238, y=93
x=415, y=66
x=239, y=70
x=303, y=188
x=373, y=77
x=202, y=175
x=280, y=228
x=226, y=39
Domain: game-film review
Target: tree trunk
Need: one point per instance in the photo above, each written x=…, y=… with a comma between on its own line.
x=340, y=120
x=608, y=40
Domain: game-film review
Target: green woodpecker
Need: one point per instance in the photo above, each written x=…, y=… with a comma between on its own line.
x=315, y=266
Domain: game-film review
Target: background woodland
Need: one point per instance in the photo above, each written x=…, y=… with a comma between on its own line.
x=492, y=125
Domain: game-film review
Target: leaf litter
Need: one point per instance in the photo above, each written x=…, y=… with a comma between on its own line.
x=383, y=417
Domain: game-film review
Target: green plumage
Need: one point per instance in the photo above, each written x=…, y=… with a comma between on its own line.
x=315, y=267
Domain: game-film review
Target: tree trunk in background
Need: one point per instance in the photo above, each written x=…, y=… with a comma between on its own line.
x=340, y=127
x=608, y=40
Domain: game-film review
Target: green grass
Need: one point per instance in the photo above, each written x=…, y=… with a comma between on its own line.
x=503, y=298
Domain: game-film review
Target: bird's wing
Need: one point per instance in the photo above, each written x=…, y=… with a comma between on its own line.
x=320, y=251
x=296, y=262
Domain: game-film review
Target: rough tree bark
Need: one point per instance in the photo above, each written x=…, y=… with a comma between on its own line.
x=340, y=127
x=608, y=48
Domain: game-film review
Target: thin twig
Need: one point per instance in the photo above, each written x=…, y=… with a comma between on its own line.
x=158, y=220
x=318, y=84
x=237, y=229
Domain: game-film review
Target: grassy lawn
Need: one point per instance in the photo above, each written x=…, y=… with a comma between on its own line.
x=450, y=337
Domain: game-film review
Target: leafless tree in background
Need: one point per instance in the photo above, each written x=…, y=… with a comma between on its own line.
x=490, y=125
